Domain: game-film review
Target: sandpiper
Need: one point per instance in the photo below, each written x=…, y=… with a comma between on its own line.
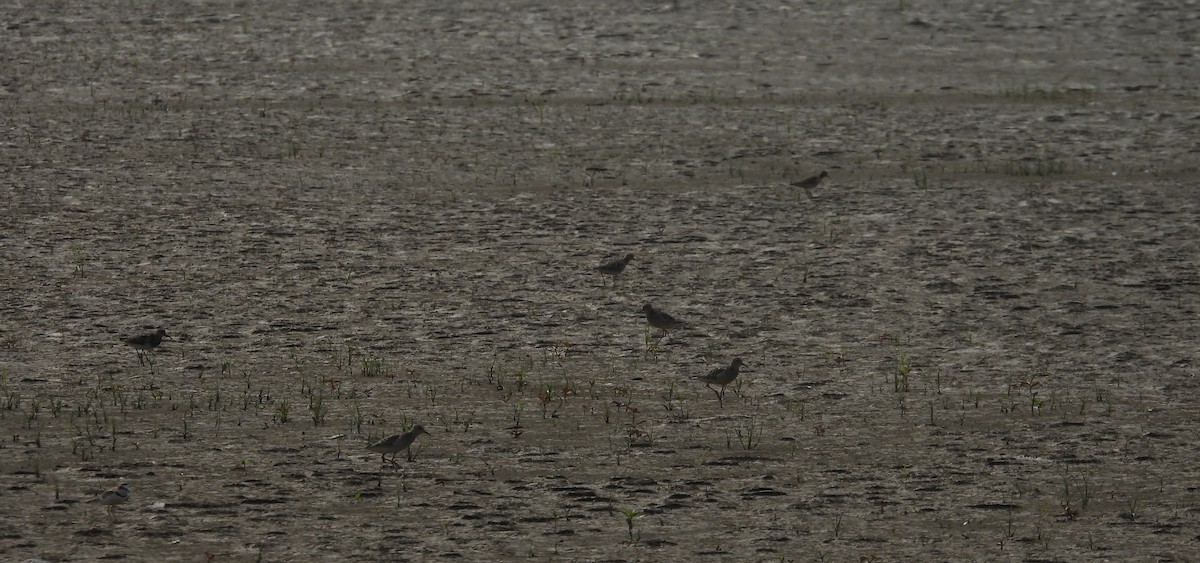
x=722, y=376
x=810, y=182
x=143, y=343
x=660, y=319
x=615, y=267
x=396, y=443
x=112, y=497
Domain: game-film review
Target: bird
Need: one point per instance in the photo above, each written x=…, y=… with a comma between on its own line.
x=660, y=319
x=112, y=497
x=811, y=182
x=143, y=343
x=396, y=443
x=615, y=267
x=722, y=376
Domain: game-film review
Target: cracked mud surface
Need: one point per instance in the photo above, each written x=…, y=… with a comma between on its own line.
x=974, y=341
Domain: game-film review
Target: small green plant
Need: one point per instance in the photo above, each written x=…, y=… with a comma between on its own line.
x=214, y=399
x=1131, y=504
x=281, y=411
x=671, y=397
x=465, y=419
x=357, y=417
x=79, y=259
x=518, y=409
x=651, y=345
x=903, y=369
x=317, y=408
x=831, y=227
x=921, y=178
x=634, y=429
x=751, y=434
x=631, y=515
x=373, y=367
x=1040, y=166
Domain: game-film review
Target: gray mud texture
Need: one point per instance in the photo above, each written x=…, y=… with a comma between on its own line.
x=974, y=341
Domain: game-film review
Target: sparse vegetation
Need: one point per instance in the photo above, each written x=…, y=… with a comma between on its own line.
x=381, y=214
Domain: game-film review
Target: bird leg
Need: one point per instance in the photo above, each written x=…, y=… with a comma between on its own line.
x=720, y=399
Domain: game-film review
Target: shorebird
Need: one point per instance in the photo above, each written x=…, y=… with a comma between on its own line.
x=810, y=182
x=660, y=319
x=396, y=443
x=143, y=343
x=615, y=267
x=722, y=376
x=112, y=497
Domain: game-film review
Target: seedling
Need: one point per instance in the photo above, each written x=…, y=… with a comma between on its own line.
x=750, y=435
x=373, y=367
x=357, y=417
x=921, y=178
x=317, y=408
x=651, y=345
x=630, y=516
x=903, y=369
x=281, y=411
x=671, y=397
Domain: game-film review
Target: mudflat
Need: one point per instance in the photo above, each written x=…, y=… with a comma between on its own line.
x=973, y=340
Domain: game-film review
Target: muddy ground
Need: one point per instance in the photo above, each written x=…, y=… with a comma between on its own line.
x=974, y=341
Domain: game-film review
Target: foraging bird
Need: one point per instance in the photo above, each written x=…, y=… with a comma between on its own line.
x=615, y=267
x=660, y=319
x=810, y=182
x=396, y=443
x=145, y=342
x=722, y=376
x=112, y=497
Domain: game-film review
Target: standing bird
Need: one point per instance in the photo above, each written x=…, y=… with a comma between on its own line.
x=615, y=267
x=660, y=319
x=144, y=343
x=112, y=497
x=811, y=182
x=396, y=443
x=722, y=377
